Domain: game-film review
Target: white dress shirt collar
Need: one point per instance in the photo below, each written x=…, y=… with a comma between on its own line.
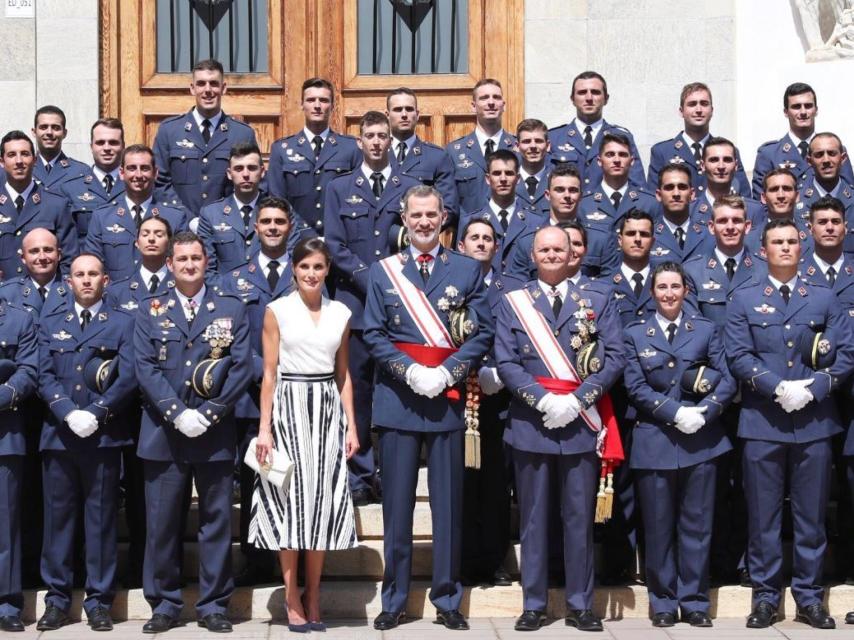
x=214, y=120
x=94, y=309
x=197, y=299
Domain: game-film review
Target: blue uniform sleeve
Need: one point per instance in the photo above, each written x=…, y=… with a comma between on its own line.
x=23, y=382
x=51, y=390
x=275, y=174
x=716, y=401
x=153, y=384
x=384, y=353
x=95, y=235
x=509, y=359
x=761, y=166
x=66, y=234
x=119, y=394
x=161, y=159
x=205, y=233
x=347, y=262
x=447, y=186
x=744, y=361
x=654, y=404
x=657, y=161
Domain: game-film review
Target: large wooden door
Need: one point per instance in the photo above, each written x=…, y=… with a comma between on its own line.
x=306, y=38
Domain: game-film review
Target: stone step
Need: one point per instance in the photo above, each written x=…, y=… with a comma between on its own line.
x=360, y=600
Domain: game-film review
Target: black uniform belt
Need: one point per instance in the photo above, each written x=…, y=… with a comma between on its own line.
x=307, y=377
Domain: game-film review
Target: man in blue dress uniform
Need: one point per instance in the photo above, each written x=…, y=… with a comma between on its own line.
x=532, y=145
x=826, y=156
x=53, y=167
x=25, y=205
x=303, y=164
x=677, y=237
x=188, y=433
x=696, y=109
x=608, y=201
x=417, y=397
x=469, y=152
x=20, y=358
x=411, y=156
x=84, y=430
x=781, y=201
x=267, y=276
x=578, y=142
x=360, y=210
x=191, y=150
x=101, y=184
x=787, y=422
x=553, y=420
x=800, y=107
x=113, y=228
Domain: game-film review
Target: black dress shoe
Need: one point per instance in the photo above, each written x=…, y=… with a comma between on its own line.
x=159, y=623
x=664, y=619
x=215, y=623
x=11, y=623
x=361, y=497
x=53, y=619
x=100, y=620
x=388, y=620
x=816, y=616
x=583, y=620
x=452, y=619
x=698, y=619
x=849, y=617
x=530, y=620
x=763, y=615
x=501, y=578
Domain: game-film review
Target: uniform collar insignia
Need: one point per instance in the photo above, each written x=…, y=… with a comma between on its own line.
x=712, y=263
x=188, y=126
x=810, y=270
x=170, y=284
x=768, y=290
x=395, y=180
x=211, y=306
x=689, y=326
x=498, y=284
x=470, y=142
x=848, y=269
x=808, y=193
x=846, y=193
x=331, y=139
x=251, y=267
x=633, y=194
x=802, y=290
x=155, y=211
x=69, y=317
x=102, y=316
x=284, y=145
x=88, y=179
x=659, y=228
x=457, y=146
x=226, y=209
x=747, y=261
x=120, y=211
x=359, y=181
x=36, y=198
x=787, y=147
x=536, y=293
x=697, y=228
x=404, y=257
x=618, y=277
x=521, y=215
x=802, y=235
x=704, y=207
x=597, y=196
x=63, y=163
x=678, y=144
x=416, y=150
x=651, y=331
x=508, y=141
x=2, y=199
x=301, y=140
x=60, y=290
x=223, y=126
x=571, y=132
x=26, y=291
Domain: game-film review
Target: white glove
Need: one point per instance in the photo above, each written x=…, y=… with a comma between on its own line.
x=690, y=419
x=563, y=410
x=191, y=423
x=82, y=423
x=490, y=383
x=546, y=403
x=793, y=395
x=426, y=381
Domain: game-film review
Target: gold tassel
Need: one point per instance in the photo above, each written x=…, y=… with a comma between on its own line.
x=472, y=449
x=601, y=499
x=472, y=421
x=608, y=508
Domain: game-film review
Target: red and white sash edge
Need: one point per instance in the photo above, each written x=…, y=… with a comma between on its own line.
x=548, y=348
x=417, y=305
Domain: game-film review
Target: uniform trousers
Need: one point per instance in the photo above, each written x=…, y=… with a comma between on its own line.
x=11, y=596
x=677, y=507
x=362, y=466
x=400, y=453
x=166, y=485
x=71, y=479
x=769, y=467
x=577, y=477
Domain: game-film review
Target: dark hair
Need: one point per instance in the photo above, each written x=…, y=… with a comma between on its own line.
x=566, y=225
x=827, y=202
x=87, y=254
x=110, y=123
x=15, y=135
x=532, y=124
x=564, y=170
x=243, y=148
x=715, y=141
x=796, y=89
x=693, y=87
x=590, y=75
x=209, y=65
x=317, y=83
x=476, y=220
x=502, y=155
x=613, y=136
x=49, y=109
x=483, y=82
x=667, y=267
x=137, y=148
x=371, y=118
x=185, y=237
x=272, y=202
x=779, y=171
x=777, y=223
x=681, y=167
x=159, y=219
x=635, y=214
x=400, y=91
x=826, y=134
x=308, y=246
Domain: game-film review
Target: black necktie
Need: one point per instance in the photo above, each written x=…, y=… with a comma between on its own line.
x=206, y=130
x=557, y=303
x=246, y=212
x=19, y=203
x=377, y=183
x=489, y=145
x=153, y=283
x=729, y=265
x=615, y=198
x=317, y=141
x=804, y=148
x=679, y=232
x=785, y=292
x=85, y=319
x=273, y=274
x=401, y=151
x=697, y=155
x=137, y=215
x=502, y=218
x=671, y=332
x=588, y=136
x=108, y=183
x=638, y=280
x=531, y=184
x=831, y=275
x=43, y=292
x=424, y=266
x=48, y=167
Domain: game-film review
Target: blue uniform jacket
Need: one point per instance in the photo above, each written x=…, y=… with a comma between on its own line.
x=567, y=147
x=296, y=175
x=21, y=292
x=64, y=168
x=470, y=170
x=709, y=289
x=653, y=382
x=699, y=241
x=602, y=257
x=129, y=293
x=357, y=230
x=19, y=343
x=386, y=321
x=844, y=192
x=539, y=201
x=190, y=169
x=785, y=155
x=597, y=209
x=64, y=351
x=676, y=151
x=167, y=350
x=86, y=194
x=112, y=235
x=628, y=306
x=762, y=338
x=430, y=165
x=41, y=209
x=519, y=365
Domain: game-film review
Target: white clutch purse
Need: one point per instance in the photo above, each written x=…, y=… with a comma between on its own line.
x=277, y=472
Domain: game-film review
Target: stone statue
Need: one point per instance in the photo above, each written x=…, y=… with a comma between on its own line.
x=832, y=17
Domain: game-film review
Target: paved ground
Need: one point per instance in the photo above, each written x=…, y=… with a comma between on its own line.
x=482, y=629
